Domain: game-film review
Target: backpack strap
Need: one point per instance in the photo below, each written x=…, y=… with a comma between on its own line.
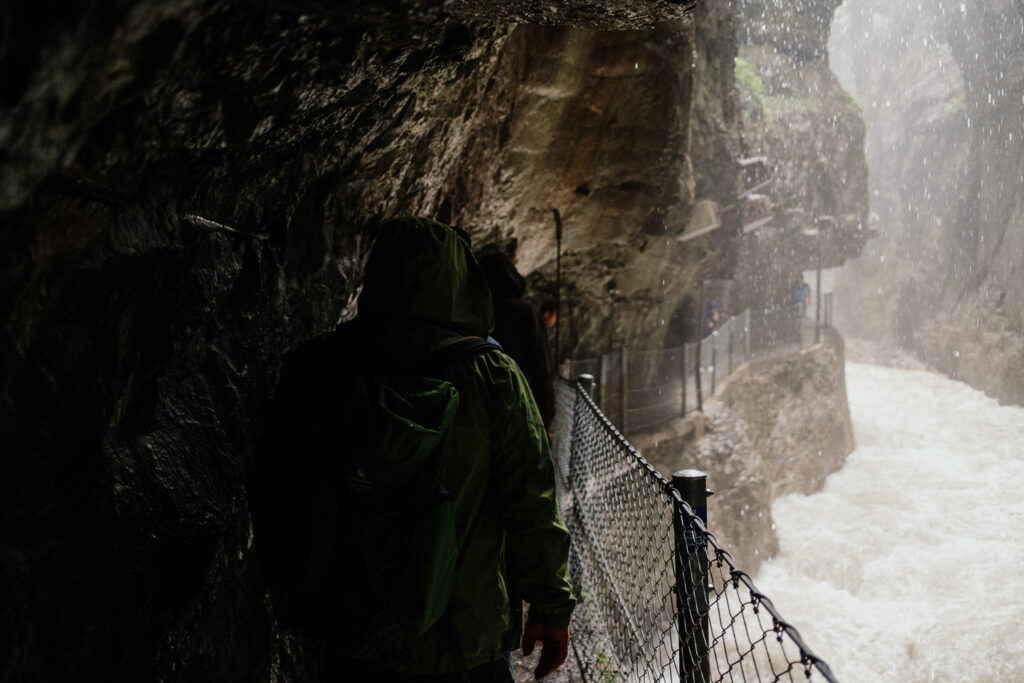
x=454, y=351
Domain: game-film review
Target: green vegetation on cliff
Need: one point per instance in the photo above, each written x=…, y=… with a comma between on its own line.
x=747, y=79
x=751, y=89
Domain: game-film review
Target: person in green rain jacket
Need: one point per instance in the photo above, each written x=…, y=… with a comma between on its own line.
x=422, y=289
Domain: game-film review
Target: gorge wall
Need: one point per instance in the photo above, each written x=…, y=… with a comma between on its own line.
x=942, y=86
x=190, y=190
x=139, y=346
x=782, y=424
x=797, y=115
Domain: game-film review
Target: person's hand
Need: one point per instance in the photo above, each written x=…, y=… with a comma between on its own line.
x=554, y=646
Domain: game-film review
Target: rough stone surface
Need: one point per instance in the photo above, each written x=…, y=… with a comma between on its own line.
x=138, y=348
x=716, y=122
x=604, y=14
x=777, y=426
x=799, y=29
x=573, y=113
x=942, y=84
x=797, y=114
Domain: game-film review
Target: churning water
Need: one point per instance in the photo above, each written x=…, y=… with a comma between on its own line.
x=909, y=564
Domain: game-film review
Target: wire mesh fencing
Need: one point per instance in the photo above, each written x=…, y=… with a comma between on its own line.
x=643, y=388
x=659, y=598
x=776, y=328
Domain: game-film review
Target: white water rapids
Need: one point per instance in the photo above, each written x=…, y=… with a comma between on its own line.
x=909, y=564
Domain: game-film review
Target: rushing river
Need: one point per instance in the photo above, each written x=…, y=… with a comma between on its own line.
x=909, y=564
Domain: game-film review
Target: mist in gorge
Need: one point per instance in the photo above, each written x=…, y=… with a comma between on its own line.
x=941, y=85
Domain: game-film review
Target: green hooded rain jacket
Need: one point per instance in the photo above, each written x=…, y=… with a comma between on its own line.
x=422, y=288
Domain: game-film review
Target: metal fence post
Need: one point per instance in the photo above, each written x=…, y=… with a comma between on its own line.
x=682, y=351
x=799, y=327
x=624, y=354
x=602, y=382
x=730, y=351
x=586, y=380
x=817, y=298
x=714, y=365
x=696, y=376
x=746, y=336
x=692, y=579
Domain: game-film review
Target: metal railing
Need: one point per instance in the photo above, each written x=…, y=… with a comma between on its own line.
x=643, y=388
x=659, y=599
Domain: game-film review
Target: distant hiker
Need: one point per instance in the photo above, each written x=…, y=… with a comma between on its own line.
x=403, y=495
x=519, y=329
x=709, y=320
x=549, y=314
x=801, y=295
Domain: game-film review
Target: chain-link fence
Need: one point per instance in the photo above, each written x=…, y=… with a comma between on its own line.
x=659, y=598
x=642, y=388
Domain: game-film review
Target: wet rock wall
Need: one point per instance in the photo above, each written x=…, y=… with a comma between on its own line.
x=139, y=347
x=593, y=125
x=796, y=113
x=189, y=190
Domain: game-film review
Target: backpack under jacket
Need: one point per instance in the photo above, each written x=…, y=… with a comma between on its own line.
x=379, y=553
